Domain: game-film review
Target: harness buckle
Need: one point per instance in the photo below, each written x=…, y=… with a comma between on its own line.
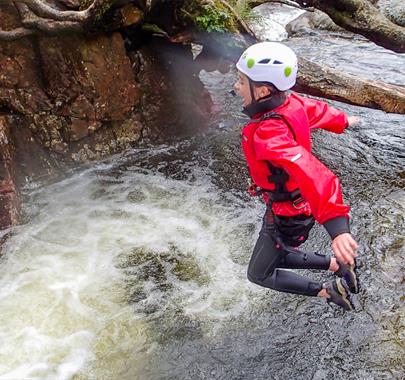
x=297, y=202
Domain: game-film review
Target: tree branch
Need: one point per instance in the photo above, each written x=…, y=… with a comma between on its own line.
x=15, y=34
x=37, y=15
x=44, y=10
x=360, y=16
x=31, y=21
x=242, y=23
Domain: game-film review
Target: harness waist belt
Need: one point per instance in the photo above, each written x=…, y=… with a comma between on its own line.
x=276, y=196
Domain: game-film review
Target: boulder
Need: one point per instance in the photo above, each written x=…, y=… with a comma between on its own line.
x=310, y=21
x=394, y=10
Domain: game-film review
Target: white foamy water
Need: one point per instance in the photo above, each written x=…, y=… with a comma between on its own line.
x=68, y=276
x=270, y=20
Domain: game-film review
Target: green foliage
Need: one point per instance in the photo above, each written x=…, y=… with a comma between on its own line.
x=217, y=15
x=84, y=4
x=243, y=9
x=214, y=19
x=105, y=6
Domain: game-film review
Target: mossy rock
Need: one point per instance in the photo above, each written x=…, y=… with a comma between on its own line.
x=107, y=4
x=149, y=265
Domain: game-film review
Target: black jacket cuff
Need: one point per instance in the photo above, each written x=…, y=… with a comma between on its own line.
x=337, y=226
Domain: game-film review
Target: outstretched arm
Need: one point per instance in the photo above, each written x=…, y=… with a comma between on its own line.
x=322, y=115
x=353, y=120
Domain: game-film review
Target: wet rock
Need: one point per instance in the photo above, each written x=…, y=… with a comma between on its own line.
x=32, y=157
x=127, y=132
x=20, y=80
x=174, y=101
x=320, y=374
x=394, y=10
x=115, y=137
x=131, y=15
x=77, y=129
x=91, y=77
x=308, y=21
x=75, y=98
x=55, y=92
x=80, y=107
x=9, y=197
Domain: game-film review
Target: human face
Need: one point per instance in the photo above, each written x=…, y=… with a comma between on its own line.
x=242, y=88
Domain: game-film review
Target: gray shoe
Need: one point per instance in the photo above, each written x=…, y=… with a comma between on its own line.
x=339, y=294
x=348, y=272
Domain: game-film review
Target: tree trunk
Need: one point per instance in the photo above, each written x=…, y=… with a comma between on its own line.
x=332, y=84
x=362, y=17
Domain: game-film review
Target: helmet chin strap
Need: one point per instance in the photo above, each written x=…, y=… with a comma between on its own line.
x=252, y=92
x=266, y=103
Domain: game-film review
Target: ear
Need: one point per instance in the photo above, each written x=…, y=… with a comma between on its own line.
x=264, y=91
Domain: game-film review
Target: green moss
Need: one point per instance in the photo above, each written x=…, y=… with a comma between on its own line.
x=214, y=19
x=85, y=4
x=216, y=16
x=105, y=6
x=144, y=265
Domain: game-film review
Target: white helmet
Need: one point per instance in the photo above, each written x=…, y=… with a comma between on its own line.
x=270, y=62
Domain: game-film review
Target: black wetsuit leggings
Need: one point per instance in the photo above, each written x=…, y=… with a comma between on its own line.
x=274, y=250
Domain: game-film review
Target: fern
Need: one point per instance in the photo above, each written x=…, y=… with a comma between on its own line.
x=243, y=9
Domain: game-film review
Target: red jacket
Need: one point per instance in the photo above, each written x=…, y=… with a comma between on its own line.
x=287, y=144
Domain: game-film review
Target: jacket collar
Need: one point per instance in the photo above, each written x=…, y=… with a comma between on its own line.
x=256, y=109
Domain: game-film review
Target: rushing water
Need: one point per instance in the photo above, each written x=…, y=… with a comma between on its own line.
x=135, y=268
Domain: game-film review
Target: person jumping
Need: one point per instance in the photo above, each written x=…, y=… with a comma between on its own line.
x=296, y=187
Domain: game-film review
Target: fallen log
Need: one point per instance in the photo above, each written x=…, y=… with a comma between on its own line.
x=313, y=79
x=329, y=83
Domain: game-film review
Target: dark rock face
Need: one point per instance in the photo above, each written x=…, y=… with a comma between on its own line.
x=173, y=101
x=91, y=86
x=9, y=197
x=72, y=99
x=88, y=79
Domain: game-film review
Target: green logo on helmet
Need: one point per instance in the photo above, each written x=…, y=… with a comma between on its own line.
x=287, y=71
x=250, y=63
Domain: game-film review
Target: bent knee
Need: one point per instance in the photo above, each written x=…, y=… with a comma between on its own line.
x=259, y=279
x=251, y=278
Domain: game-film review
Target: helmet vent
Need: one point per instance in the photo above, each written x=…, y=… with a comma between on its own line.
x=277, y=62
x=264, y=61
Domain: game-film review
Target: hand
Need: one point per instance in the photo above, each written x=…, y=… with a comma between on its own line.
x=353, y=120
x=344, y=248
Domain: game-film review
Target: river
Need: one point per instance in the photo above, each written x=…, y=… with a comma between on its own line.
x=135, y=267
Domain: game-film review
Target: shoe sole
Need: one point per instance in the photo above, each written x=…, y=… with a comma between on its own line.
x=345, y=295
x=354, y=288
